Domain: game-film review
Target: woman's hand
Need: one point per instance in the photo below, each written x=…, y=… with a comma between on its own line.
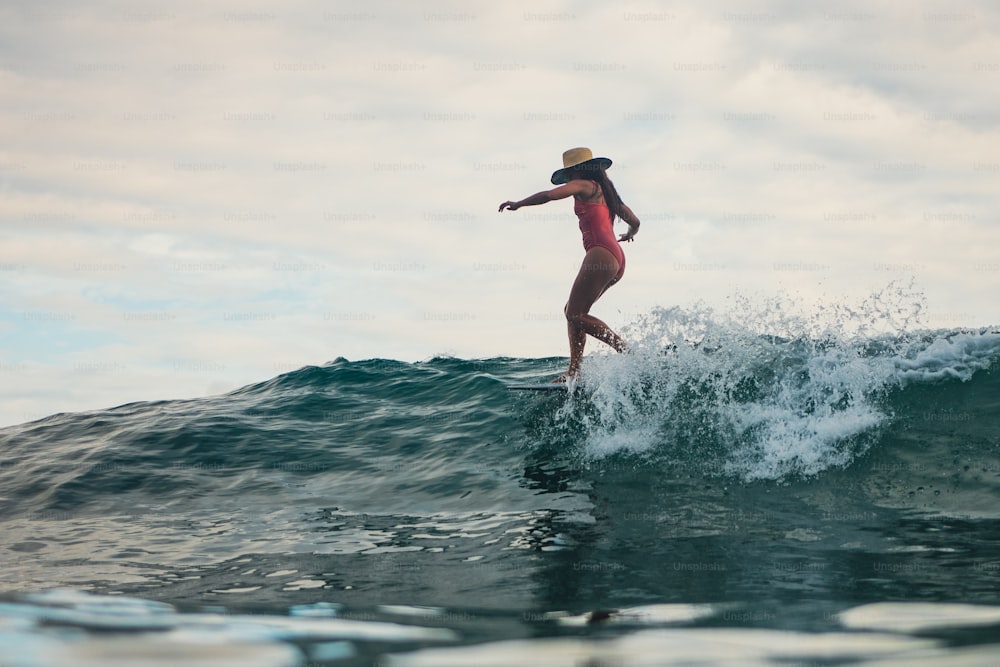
x=629, y=235
x=512, y=205
x=632, y=221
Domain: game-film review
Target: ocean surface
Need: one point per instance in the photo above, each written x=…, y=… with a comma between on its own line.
x=752, y=488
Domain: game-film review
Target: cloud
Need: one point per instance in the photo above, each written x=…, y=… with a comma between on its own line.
x=208, y=195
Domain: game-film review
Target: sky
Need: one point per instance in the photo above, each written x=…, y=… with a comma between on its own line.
x=197, y=196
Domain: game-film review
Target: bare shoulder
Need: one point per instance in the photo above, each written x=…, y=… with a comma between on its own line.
x=589, y=192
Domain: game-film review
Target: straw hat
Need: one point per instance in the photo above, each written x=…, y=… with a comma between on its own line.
x=578, y=158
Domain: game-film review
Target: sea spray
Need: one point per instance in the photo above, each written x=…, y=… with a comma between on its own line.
x=766, y=389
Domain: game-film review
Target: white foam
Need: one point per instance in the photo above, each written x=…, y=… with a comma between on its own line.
x=912, y=617
x=762, y=388
x=695, y=646
x=956, y=356
x=653, y=614
x=120, y=613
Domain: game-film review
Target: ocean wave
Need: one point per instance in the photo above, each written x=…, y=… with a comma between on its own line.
x=756, y=393
x=760, y=393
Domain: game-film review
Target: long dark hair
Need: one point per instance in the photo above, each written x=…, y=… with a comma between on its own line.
x=600, y=176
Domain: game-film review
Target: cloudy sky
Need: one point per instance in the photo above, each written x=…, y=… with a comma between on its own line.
x=195, y=196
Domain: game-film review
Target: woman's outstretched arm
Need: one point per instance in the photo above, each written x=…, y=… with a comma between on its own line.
x=561, y=192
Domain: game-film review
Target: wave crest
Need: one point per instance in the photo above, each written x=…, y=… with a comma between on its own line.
x=761, y=391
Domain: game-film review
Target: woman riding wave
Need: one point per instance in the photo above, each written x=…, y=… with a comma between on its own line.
x=597, y=205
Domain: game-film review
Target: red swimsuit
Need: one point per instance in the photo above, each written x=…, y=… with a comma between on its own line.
x=597, y=230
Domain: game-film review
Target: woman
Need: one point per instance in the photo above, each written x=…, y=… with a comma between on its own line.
x=596, y=204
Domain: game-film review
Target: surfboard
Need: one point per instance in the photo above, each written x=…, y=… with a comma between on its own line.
x=544, y=386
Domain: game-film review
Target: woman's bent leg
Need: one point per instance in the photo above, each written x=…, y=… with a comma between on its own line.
x=601, y=331
x=597, y=273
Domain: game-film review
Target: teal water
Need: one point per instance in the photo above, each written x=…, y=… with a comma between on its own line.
x=726, y=494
